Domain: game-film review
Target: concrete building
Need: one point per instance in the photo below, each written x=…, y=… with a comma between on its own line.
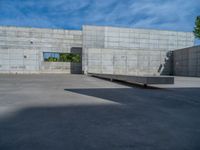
x=186, y=62
x=108, y=50
x=131, y=51
x=22, y=49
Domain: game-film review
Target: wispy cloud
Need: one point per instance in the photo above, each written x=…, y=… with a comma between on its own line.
x=176, y=15
x=72, y=14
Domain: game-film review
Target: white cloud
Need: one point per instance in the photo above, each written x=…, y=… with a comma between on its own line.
x=177, y=14
x=167, y=14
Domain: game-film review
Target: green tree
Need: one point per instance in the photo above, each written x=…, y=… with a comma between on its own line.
x=65, y=57
x=76, y=58
x=52, y=59
x=197, y=27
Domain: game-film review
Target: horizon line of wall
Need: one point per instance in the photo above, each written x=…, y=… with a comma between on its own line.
x=96, y=26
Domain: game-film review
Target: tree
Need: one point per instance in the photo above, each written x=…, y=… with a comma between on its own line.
x=76, y=58
x=197, y=27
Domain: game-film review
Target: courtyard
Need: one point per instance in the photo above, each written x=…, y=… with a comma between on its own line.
x=57, y=112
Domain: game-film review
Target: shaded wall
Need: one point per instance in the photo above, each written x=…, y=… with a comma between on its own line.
x=187, y=62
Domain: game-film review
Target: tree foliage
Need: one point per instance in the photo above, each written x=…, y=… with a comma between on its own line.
x=65, y=57
x=52, y=59
x=197, y=27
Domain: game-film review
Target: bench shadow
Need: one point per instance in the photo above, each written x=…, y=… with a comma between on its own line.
x=172, y=96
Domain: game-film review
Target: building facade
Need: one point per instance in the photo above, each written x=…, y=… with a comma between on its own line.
x=131, y=51
x=108, y=50
x=186, y=62
x=22, y=49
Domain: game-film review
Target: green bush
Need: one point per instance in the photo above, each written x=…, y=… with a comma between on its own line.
x=66, y=57
x=50, y=59
x=76, y=58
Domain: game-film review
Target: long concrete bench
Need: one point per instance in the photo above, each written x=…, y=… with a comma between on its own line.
x=145, y=80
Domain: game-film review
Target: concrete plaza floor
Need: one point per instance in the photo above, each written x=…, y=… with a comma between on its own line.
x=76, y=112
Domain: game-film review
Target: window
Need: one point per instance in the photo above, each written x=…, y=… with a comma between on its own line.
x=61, y=57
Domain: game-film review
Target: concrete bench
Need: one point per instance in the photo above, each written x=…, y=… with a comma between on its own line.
x=145, y=80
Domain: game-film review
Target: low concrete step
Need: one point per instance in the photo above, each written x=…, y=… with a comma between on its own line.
x=137, y=79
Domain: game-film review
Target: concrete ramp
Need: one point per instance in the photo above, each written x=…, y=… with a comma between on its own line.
x=145, y=80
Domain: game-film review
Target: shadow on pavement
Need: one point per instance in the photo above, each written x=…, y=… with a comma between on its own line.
x=160, y=97
x=148, y=119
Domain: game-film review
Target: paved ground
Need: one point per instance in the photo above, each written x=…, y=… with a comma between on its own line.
x=182, y=82
x=75, y=112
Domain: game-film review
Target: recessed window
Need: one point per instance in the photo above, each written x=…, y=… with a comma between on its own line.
x=61, y=57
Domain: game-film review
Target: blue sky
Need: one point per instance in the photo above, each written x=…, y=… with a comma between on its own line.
x=72, y=14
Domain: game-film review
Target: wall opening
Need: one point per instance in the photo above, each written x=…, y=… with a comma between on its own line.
x=61, y=57
x=76, y=67
x=60, y=61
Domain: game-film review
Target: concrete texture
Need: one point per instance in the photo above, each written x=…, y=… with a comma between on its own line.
x=79, y=112
x=144, y=80
x=136, y=62
x=21, y=49
x=61, y=67
x=57, y=67
x=125, y=51
x=186, y=62
x=138, y=40
x=181, y=83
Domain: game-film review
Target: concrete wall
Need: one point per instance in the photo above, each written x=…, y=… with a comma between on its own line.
x=61, y=67
x=187, y=62
x=57, y=67
x=134, y=40
x=126, y=62
x=122, y=50
x=21, y=49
